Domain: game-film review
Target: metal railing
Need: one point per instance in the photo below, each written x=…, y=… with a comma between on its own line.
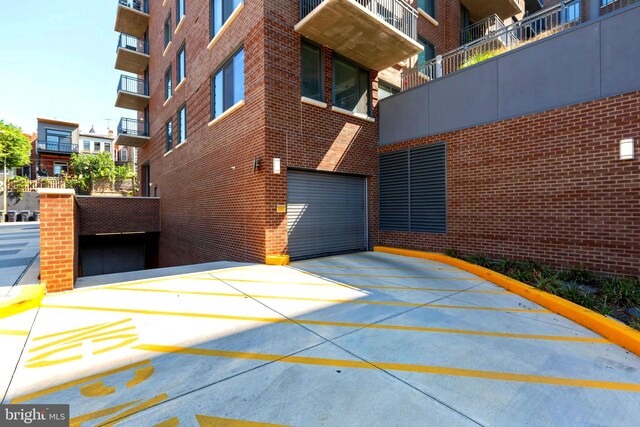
x=139, y=5
x=132, y=85
x=63, y=146
x=482, y=29
x=534, y=27
x=133, y=127
x=397, y=13
x=125, y=41
x=608, y=6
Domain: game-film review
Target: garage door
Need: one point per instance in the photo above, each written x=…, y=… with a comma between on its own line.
x=326, y=214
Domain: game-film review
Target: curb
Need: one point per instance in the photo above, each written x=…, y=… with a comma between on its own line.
x=277, y=260
x=30, y=297
x=614, y=331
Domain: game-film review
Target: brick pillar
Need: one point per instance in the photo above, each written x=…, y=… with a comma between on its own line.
x=58, y=239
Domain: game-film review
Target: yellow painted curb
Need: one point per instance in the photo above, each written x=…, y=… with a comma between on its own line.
x=277, y=260
x=613, y=330
x=30, y=297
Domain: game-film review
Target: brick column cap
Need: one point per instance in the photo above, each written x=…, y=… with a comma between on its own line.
x=60, y=191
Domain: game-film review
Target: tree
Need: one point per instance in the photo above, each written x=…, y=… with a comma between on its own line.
x=89, y=169
x=15, y=147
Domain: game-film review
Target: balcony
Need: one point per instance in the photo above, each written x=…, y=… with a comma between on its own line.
x=132, y=133
x=57, y=147
x=132, y=17
x=132, y=54
x=373, y=33
x=132, y=93
x=480, y=9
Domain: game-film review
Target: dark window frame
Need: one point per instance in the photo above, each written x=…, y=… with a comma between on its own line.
x=427, y=44
x=168, y=135
x=168, y=83
x=182, y=125
x=221, y=69
x=180, y=11
x=226, y=14
x=320, y=50
x=68, y=136
x=181, y=69
x=429, y=6
x=394, y=89
x=168, y=31
x=360, y=68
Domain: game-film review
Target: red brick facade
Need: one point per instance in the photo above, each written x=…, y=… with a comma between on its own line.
x=214, y=206
x=100, y=215
x=548, y=187
x=58, y=240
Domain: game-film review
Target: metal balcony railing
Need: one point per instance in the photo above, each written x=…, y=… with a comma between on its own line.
x=132, y=85
x=133, y=127
x=482, y=29
x=62, y=146
x=397, y=13
x=608, y=6
x=139, y=5
x=125, y=41
x=534, y=27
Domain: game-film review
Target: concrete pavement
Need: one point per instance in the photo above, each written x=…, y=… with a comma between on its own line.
x=19, y=246
x=365, y=339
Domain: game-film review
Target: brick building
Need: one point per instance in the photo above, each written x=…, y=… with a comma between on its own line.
x=258, y=122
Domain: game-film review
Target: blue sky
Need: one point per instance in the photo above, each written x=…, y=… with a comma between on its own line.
x=57, y=62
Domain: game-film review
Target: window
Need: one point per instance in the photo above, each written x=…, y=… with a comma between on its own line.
x=428, y=6
x=428, y=53
x=181, y=63
x=350, y=86
x=167, y=84
x=179, y=11
x=57, y=136
x=311, y=71
x=385, y=90
x=182, y=124
x=221, y=10
x=167, y=31
x=96, y=146
x=60, y=168
x=124, y=155
x=227, y=85
x=413, y=189
x=86, y=145
x=107, y=147
x=169, y=136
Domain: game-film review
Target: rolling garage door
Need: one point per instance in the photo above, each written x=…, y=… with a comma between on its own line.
x=326, y=214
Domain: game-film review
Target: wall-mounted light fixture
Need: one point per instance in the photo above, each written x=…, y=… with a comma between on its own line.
x=257, y=163
x=627, y=149
x=276, y=166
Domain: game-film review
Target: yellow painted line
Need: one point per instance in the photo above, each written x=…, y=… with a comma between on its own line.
x=354, y=286
x=12, y=332
x=372, y=267
x=30, y=297
x=70, y=384
x=206, y=421
x=403, y=367
x=340, y=301
x=613, y=330
x=84, y=328
x=339, y=324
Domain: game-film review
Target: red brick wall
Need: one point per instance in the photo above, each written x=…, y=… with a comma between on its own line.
x=117, y=215
x=548, y=187
x=58, y=240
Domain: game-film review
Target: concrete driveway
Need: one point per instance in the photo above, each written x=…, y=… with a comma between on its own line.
x=19, y=245
x=366, y=339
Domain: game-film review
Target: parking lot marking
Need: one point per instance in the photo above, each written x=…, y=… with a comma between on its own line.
x=352, y=286
x=342, y=301
x=404, y=367
x=338, y=324
x=206, y=421
x=12, y=332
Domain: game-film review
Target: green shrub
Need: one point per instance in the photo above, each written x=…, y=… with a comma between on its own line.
x=622, y=292
x=480, y=57
x=478, y=259
x=453, y=253
x=19, y=184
